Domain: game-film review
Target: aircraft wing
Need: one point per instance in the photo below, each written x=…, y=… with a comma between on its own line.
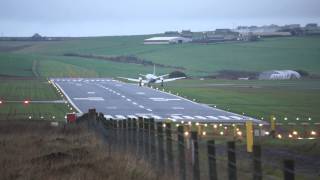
x=131, y=79
x=168, y=80
x=163, y=75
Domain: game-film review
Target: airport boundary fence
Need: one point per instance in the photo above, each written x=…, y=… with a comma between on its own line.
x=176, y=152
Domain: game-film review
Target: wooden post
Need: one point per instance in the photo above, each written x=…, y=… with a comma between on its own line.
x=232, y=166
x=288, y=169
x=161, y=160
x=153, y=155
x=134, y=135
x=195, y=155
x=257, y=169
x=125, y=135
x=213, y=175
x=169, y=148
x=146, y=138
x=141, y=138
x=181, y=150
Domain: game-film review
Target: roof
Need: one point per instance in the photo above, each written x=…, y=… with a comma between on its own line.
x=164, y=38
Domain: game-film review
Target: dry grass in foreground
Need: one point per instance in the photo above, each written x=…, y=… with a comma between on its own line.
x=36, y=150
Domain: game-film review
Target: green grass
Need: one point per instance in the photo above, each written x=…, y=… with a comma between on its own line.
x=289, y=99
x=259, y=98
x=33, y=90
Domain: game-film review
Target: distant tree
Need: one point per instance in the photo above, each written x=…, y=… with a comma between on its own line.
x=175, y=74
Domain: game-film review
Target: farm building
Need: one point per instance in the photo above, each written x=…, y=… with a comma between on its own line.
x=279, y=75
x=167, y=40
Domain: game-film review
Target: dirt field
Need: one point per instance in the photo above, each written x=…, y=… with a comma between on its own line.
x=38, y=150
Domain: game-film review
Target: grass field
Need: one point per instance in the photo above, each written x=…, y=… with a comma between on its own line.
x=257, y=98
x=32, y=90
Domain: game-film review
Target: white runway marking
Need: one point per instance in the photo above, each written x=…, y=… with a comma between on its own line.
x=176, y=117
x=177, y=108
x=123, y=96
x=236, y=117
x=128, y=99
x=141, y=93
x=120, y=117
x=224, y=117
x=163, y=99
x=108, y=117
x=132, y=116
x=188, y=117
x=90, y=99
x=156, y=117
x=213, y=117
x=141, y=106
x=91, y=92
x=200, y=117
x=149, y=110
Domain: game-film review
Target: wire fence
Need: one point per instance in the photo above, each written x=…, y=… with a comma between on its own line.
x=175, y=151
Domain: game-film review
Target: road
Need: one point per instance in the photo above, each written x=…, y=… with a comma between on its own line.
x=119, y=100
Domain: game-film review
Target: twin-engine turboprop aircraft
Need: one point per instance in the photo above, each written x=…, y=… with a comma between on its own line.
x=152, y=78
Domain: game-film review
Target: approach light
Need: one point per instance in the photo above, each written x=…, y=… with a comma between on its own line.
x=237, y=129
x=30, y=117
x=53, y=117
x=239, y=133
x=215, y=126
x=290, y=136
x=0, y=102
x=197, y=124
x=221, y=133
x=297, y=118
x=295, y=133
x=285, y=118
x=233, y=125
x=313, y=133
x=164, y=125
x=205, y=125
x=260, y=125
x=186, y=133
x=177, y=125
x=274, y=118
x=220, y=125
x=190, y=123
x=25, y=102
x=225, y=127
x=204, y=133
x=279, y=136
x=309, y=119
x=267, y=133
x=182, y=122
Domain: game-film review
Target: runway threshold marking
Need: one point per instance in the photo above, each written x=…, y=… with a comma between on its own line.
x=90, y=99
x=213, y=117
x=224, y=117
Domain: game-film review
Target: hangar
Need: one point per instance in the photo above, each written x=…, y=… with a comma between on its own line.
x=279, y=75
x=167, y=40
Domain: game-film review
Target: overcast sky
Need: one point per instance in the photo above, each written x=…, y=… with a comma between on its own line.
x=126, y=17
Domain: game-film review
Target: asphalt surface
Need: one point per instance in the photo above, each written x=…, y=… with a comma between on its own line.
x=119, y=100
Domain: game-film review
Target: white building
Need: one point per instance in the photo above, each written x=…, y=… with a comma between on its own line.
x=279, y=75
x=167, y=40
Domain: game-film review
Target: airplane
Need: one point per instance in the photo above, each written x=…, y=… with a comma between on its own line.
x=151, y=78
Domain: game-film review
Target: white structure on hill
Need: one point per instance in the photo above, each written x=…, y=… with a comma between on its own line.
x=279, y=75
x=166, y=40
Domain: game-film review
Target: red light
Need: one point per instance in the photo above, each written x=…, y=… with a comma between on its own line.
x=0, y=102
x=26, y=102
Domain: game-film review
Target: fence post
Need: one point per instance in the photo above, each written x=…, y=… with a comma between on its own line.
x=141, y=138
x=146, y=138
x=129, y=131
x=257, y=170
x=288, y=169
x=181, y=146
x=195, y=155
x=232, y=166
x=153, y=155
x=160, y=147
x=170, y=159
x=134, y=136
x=212, y=160
x=125, y=135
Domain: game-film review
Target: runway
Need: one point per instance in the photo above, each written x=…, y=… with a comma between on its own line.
x=119, y=100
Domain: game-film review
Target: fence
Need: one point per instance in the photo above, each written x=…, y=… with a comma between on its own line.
x=177, y=152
